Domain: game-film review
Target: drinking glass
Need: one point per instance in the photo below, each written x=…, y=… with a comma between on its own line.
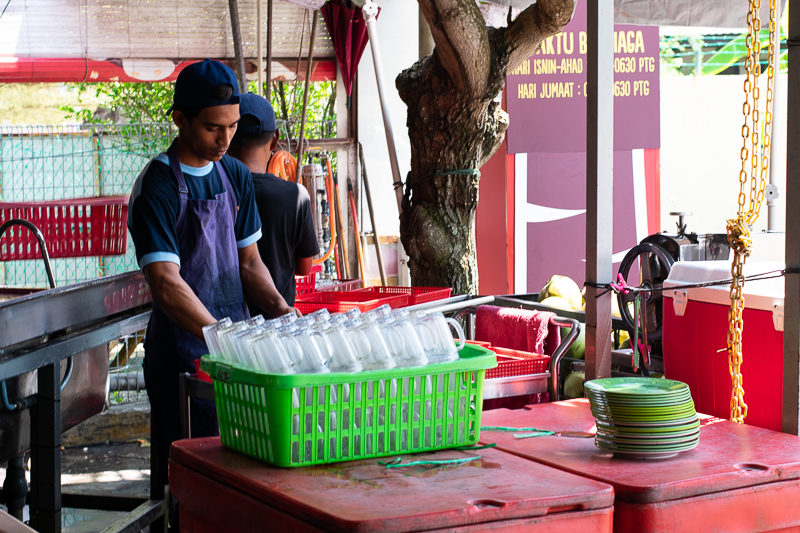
x=210, y=335
x=434, y=333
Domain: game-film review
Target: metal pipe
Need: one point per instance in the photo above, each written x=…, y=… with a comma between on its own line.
x=260, y=46
x=125, y=381
x=370, y=11
x=560, y=351
x=268, y=94
x=773, y=193
x=371, y=214
x=39, y=237
x=237, y=44
x=8, y=406
x=309, y=63
x=468, y=308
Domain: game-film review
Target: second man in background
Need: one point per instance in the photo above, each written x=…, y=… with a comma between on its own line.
x=289, y=240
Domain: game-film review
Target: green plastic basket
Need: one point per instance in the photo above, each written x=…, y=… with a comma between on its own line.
x=309, y=419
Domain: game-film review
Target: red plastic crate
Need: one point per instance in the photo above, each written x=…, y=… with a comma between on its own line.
x=340, y=301
x=307, y=284
x=79, y=227
x=416, y=295
x=517, y=363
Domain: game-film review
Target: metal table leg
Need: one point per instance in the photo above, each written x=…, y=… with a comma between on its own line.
x=45, y=503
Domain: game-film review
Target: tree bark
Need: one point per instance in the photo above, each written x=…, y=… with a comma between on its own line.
x=455, y=125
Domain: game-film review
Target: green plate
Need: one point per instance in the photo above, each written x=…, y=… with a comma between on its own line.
x=634, y=410
x=667, y=424
x=616, y=418
x=646, y=455
x=648, y=443
x=637, y=386
x=635, y=448
x=648, y=431
x=625, y=401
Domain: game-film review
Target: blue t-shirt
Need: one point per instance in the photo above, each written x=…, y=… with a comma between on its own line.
x=154, y=206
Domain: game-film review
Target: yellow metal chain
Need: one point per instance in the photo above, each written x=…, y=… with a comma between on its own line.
x=756, y=157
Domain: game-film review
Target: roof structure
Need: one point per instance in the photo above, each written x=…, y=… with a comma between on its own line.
x=146, y=39
x=150, y=40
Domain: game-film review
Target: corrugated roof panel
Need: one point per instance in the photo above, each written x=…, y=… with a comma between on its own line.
x=173, y=29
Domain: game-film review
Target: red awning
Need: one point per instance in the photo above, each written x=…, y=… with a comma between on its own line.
x=54, y=69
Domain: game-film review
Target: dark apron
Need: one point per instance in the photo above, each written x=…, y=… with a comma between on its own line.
x=210, y=266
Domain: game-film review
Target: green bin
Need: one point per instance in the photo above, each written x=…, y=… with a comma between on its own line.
x=308, y=419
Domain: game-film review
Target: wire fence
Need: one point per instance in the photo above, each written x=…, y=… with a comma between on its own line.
x=43, y=163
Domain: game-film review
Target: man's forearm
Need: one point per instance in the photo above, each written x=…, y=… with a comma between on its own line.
x=178, y=301
x=260, y=289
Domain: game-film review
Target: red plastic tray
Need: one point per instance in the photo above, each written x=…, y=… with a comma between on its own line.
x=517, y=363
x=339, y=301
x=416, y=295
x=307, y=284
x=201, y=375
x=79, y=227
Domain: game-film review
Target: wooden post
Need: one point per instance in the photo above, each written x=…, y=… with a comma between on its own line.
x=309, y=64
x=791, y=300
x=237, y=45
x=599, y=185
x=268, y=92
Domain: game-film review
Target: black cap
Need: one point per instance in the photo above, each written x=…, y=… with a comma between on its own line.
x=261, y=113
x=207, y=83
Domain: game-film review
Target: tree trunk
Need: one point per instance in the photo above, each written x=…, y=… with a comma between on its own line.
x=455, y=124
x=453, y=133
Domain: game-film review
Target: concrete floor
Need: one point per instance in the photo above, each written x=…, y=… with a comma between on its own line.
x=119, y=469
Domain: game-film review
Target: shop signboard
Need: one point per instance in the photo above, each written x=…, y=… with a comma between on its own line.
x=546, y=98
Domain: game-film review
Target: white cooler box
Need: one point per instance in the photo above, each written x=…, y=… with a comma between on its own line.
x=695, y=333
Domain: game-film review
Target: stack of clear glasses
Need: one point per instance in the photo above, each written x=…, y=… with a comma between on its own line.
x=348, y=342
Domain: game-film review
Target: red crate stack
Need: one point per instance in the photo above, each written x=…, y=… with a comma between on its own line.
x=78, y=227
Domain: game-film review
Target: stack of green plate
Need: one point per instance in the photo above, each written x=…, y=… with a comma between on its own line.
x=643, y=417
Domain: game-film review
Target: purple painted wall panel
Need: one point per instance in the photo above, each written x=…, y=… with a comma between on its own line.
x=557, y=246
x=546, y=99
x=547, y=93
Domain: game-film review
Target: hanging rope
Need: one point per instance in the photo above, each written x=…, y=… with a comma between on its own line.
x=755, y=168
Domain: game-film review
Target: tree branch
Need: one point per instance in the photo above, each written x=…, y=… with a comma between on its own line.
x=462, y=43
x=538, y=22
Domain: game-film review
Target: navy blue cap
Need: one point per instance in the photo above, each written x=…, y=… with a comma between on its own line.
x=261, y=113
x=203, y=84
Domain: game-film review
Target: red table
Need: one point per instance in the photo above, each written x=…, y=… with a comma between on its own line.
x=739, y=478
x=222, y=490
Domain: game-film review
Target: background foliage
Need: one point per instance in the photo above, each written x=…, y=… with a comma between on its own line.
x=122, y=102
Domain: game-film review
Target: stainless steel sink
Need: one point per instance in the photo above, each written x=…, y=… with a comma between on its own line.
x=84, y=394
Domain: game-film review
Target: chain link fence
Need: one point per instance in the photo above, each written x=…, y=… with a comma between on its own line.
x=43, y=163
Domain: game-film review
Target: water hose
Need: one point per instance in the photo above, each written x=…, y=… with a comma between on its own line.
x=284, y=165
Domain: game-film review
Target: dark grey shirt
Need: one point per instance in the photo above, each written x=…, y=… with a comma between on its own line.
x=287, y=228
